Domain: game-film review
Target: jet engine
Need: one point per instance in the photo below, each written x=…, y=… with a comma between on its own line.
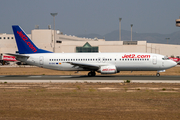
x=107, y=69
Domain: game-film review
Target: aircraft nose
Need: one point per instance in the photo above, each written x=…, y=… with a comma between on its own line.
x=174, y=63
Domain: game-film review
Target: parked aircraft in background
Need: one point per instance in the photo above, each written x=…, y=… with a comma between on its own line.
x=175, y=59
x=104, y=63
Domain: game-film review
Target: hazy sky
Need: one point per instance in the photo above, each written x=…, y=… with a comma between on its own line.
x=91, y=16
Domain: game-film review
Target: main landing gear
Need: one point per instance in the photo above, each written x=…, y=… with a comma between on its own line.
x=91, y=74
x=157, y=75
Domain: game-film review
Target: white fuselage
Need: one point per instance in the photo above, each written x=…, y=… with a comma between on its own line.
x=122, y=61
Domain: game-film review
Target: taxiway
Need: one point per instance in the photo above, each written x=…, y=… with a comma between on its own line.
x=102, y=79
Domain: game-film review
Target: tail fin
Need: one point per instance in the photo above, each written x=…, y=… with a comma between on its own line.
x=25, y=45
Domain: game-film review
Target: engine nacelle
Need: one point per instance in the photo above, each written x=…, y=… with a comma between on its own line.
x=111, y=69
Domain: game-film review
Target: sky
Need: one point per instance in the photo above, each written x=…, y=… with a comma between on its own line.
x=91, y=16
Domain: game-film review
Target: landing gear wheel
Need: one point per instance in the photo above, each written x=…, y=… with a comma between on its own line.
x=157, y=75
x=91, y=74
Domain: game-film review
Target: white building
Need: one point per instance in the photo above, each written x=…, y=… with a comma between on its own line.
x=44, y=39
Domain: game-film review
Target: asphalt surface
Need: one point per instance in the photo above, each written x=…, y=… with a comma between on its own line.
x=100, y=78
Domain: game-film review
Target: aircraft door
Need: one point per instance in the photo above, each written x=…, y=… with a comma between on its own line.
x=41, y=60
x=154, y=60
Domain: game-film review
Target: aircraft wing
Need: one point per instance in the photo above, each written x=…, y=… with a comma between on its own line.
x=85, y=66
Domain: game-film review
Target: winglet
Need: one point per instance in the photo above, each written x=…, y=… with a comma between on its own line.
x=24, y=43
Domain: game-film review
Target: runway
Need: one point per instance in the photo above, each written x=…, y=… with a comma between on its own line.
x=100, y=78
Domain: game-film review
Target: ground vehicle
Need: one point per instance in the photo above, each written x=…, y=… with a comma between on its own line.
x=5, y=60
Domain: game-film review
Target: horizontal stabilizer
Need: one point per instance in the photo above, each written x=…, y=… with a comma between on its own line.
x=17, y=55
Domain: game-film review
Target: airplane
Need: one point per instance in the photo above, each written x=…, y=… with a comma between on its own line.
x=104, y=63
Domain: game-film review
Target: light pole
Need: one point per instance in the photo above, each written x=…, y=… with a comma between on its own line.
x=54, y=14
x=131, y=31
x=120, y=29
x=167, y=40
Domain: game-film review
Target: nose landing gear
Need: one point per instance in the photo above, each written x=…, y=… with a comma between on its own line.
x=157, y=75
x=158, y=72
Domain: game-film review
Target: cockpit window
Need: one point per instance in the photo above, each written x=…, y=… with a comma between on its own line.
x=165, y=58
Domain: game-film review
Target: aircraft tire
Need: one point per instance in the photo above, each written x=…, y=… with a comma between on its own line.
x=91, y=74
x=157, y=75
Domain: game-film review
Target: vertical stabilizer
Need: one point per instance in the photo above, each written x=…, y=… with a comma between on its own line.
x=24, y=43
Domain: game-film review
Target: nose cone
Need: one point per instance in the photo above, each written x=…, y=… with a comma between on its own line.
x=173, y=63
x=169, y=64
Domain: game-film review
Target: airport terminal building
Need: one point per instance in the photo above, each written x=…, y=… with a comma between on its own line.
x=44, y=39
